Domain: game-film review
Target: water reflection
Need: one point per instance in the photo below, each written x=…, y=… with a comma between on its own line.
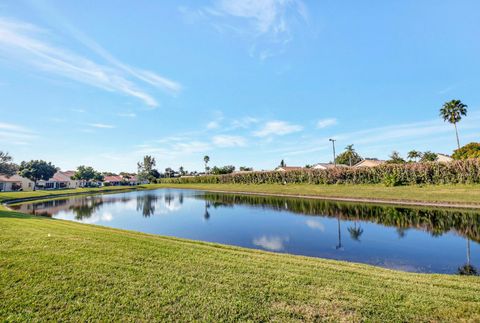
x=413, y=239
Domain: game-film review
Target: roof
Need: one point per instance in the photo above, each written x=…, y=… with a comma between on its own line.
x=12, y=179
x=369, y=163
x=326, y=166
x=288, y=168
x=68, y=173
x=114, y=178
x=59, y=177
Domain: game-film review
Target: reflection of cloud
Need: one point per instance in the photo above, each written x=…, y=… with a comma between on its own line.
x=273, y=243
x=316, y=225
x=105, y=217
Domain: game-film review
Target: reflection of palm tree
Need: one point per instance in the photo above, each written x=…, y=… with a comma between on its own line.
x=467, y=269
x=206, y=214
x=339, y=245
x=146, y=203
x=401, y=232
x=355, y=232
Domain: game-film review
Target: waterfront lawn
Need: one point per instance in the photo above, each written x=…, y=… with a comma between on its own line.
x=462, y=194
x=59, y=270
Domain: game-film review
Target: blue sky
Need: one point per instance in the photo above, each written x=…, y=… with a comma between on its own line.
x=246, y=82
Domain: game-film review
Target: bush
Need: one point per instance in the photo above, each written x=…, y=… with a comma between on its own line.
x=472, y=150
x=457, y=172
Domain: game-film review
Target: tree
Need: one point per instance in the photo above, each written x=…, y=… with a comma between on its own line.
x=206, y=159
x=36, y=170
x=87, y=173
x=395, y=158
x=348, y=157
x=223, y=170
x=168, y=172
x=7, y=168
x=145, y=167
x=452, y=112
x=246, y=169
x=282, y=163
x=414, y=155
x=472, y=150
x=428, y=156
x=181, y=170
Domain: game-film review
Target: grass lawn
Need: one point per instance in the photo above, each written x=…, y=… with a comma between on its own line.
x=462, y=194
x=60, y=270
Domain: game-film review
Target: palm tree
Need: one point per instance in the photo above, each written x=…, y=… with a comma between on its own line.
x=467, y=269
x=355, y=232
x=206, y=159
x=414, y=155
x=452, y=112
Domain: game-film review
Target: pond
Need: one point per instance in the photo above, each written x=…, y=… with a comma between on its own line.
x=404, y=238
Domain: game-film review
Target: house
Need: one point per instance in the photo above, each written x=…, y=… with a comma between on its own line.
x=327, y=166
x=15, y=183
x=442, y=158
x=369, y=163
x=61, y=180
x=113, y=180
x=287, y=168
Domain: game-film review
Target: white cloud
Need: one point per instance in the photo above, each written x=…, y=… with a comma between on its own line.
x=127, y=115
x=316, y=225
x=273, y=243
x=101, y=125
x=244, y=122
x=266, y=23
x=213, y=125
x=324, y=123
x=14, y=134
x=229, y=141
x=278, y=128
x=25, y=42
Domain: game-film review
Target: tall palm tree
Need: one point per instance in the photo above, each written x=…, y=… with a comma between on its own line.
x=414, y=155
x=206, y=159
x=452, y=112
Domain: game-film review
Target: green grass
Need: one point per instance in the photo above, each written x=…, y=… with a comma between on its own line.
x=463, y=194
x=60, y=270
x=6, y=196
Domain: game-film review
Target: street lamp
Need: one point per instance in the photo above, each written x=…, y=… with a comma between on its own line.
x=333, y=145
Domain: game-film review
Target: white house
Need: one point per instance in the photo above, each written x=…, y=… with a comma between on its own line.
x=326, y=166
x=15, y=183
x=61, y=180
x=442, y=158
x=287, y=168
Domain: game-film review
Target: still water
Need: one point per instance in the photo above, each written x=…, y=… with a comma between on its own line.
x=409, y=239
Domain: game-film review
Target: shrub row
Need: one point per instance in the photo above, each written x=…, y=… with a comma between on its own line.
x=457, y=172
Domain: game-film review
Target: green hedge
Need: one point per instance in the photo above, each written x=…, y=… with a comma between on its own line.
x=457, y=172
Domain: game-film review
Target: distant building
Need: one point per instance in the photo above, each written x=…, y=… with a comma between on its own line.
x=113, y=180
x=287, y=168
x=369, y=163
x=327, y=166
x=61, y=180
x=15, y=183
x=442, y=158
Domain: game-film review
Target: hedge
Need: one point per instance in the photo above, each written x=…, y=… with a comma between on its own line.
x=456, y=172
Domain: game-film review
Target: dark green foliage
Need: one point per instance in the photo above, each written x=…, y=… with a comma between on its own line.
x=349, y=157
x=395, y=158
x=87, y=173
x=222, y=170
x=6, y=166
x=472, y=150
x=457, y=172
x=36, y=170
x=428, y=156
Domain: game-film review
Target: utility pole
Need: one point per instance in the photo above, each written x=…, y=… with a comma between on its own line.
x=333, y=145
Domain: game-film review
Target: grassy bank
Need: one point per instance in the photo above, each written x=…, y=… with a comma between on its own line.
x=59, y=270
x=462, y=194
x=7, y=196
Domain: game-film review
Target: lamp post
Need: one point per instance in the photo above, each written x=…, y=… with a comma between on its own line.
x=333, y=145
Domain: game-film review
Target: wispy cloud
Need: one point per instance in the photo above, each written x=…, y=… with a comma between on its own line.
x=28, y=44
x=267, y=24
x=225, y=141
x=101, y=125
x=127, y=115
x=15, y=134
x=324, y=123
x=273, y=243
x=277, y=128
x=213, y=125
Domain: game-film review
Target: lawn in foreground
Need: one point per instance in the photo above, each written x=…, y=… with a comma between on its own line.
x=59, y=270
x=464, y=194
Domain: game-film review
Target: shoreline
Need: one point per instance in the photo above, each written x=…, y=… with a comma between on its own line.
x=397, y=202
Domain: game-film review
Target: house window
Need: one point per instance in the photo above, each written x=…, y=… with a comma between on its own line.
x=2, y=186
